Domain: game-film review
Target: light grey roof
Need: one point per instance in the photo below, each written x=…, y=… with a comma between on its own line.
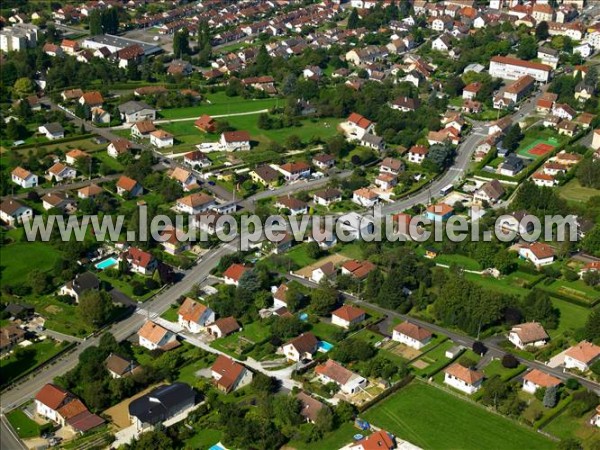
x=133, y=106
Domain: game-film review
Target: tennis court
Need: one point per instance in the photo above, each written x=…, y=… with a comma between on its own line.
x=539, y=148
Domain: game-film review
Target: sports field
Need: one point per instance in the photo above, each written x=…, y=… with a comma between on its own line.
x=434, y=419
x=539, y=148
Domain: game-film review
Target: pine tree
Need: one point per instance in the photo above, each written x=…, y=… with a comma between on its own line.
x=353, y=20
x=550, y=397
x=96, y=22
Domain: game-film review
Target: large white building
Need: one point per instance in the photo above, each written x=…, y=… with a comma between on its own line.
x=18, y=37
x=514, y=68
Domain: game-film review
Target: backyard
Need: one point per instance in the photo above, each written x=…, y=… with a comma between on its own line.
x=418, y=408
x=16, y=260
x=12, y=366
x=573, y=191
x=23, y=425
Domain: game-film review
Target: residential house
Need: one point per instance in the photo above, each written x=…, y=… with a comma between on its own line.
x=206, y=124
x=379, y=440
x=519, y=89
x=466, y=380
x=309, y=407
x=13, y=212
x=563, y=111
x=471, y=90
x=161, y=404
x=142, y=129
x=333, y=372
x=179, y=67
x=194, y=316
x=323, y=161
x=58, y=200
x=542, y=12
x=91, y=99
x=62, y=407
x=347, y=316
x=139, y=261
x=356, y=126
x=548, y=56
x=291, y=204
x=301, y=348
x=223, y=327
x=583, y=92
x=372, y=141
x=60, y=172
x=229, y=375
x=325, y=272
x=129, y=186
x=280, y=297
x=134, y=111
x=490, y=192
x=567, y=128
x=439, y=212
x=235, y=140
x=391, y=166
x=594, y=420
x=295, y=170
x=10, y=336
x=536, y=379
x=442, y=43
x=197, y=159
x=161, y=139
x=152, y=336
x=185, y=178
x=327, y=196
x=511, y=166
x=365, y=197
x=417, y=154
x=119, y=367
x=174, y=241
x=72, y=156
x=582, y=356
x=405, y=104
x=538, y=253
x=82, y=283
x=357, y=269
x=24, y=178
x=530, y=334
x=234, y=273
x=52, y=131
x=266, y=175
x=545, y=102
x=118, y=147
x=411, y=335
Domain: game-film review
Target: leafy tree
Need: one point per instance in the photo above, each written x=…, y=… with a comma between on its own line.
x=494, y=391
x=538, y=307
x=23, y=85
x=95, y=307
x=353, y=349
x=38, y=281
x=250, y=281
x=313, y=250
x=513, y=137
x=325, y=420
x=551, y=397
x=588, y=173
x=373, y=284
x=592, y=326
x=15, y=130
x=287, y=409
x=527, y=48
x=323, y=299
x=287, y=327
x=479, y=348
x=264, y=384
x=591, y=241
x=95, y=22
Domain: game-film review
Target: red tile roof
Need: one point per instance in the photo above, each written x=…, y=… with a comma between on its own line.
x=584, y=352
x=229, y=370
x=349, y=313
x=462, y=373
x=542, y=379
x=413, y=331
x=359, y=121
x=191, y=310
x=52, y=396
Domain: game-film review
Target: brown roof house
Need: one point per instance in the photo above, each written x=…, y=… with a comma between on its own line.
x=129, y=186
x=309, y=406
x=224, y=327
x=490, y=192
x=120, y=367
x=62, y=407
x=266, y=175
x=234, y=273
x=357, y=269
x=13, y=212
x=582, y=356
x=194, y=316
x=301, y=348
x=412, y=335
x=333, y=372
x=325, y=272
x=347, y=315
x=9, y=337
x=152, y=336
x=528, y=334
x=466, y=380
x=536, y=379
x=229, y=375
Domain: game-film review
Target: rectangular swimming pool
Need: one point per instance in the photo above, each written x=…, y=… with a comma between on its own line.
x=109, y=262
x=324, y=346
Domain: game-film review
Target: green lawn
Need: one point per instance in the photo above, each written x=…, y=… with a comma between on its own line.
x=299, y=255
x=204, y=439
x=11, y=367
x=434, y=419
x=435, y=359
x=575, y=192
x=61, y=317
x=566, y=426
x=576, y=290
x=16, y=258
x=496, y=368
x=23, y=425
x=336, y=439
x=171, y=313
x=502, y=285
x=352, y=250
x=220, y=105
x=459, y=260
x=325, y=331
x=572, y=317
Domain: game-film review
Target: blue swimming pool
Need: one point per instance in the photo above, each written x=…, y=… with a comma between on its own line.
x=324, y=346
x=303, y=317
x=109, y=262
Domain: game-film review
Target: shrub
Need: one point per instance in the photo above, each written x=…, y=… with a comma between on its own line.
x=479, y=348
x=509, y=361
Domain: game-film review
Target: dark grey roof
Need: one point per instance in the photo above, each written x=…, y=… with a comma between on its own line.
x=372, y=139
x=85, y=282
x=54, y=128
x=120, y=298
x=14, y=309
x=133, y=107
x=162, y=403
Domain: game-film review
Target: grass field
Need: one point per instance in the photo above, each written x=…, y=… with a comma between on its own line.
x=204, y=439
x=566, y=426
x=336, y=439
x=572, y=317
x=299, y=256
x=576, y=290
x=16, y=258
x=220, y=105
x=496, y=368
x=460, y=260
x=417, y=409
x=575, y=192
x=23, y=425
x=12, y=367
